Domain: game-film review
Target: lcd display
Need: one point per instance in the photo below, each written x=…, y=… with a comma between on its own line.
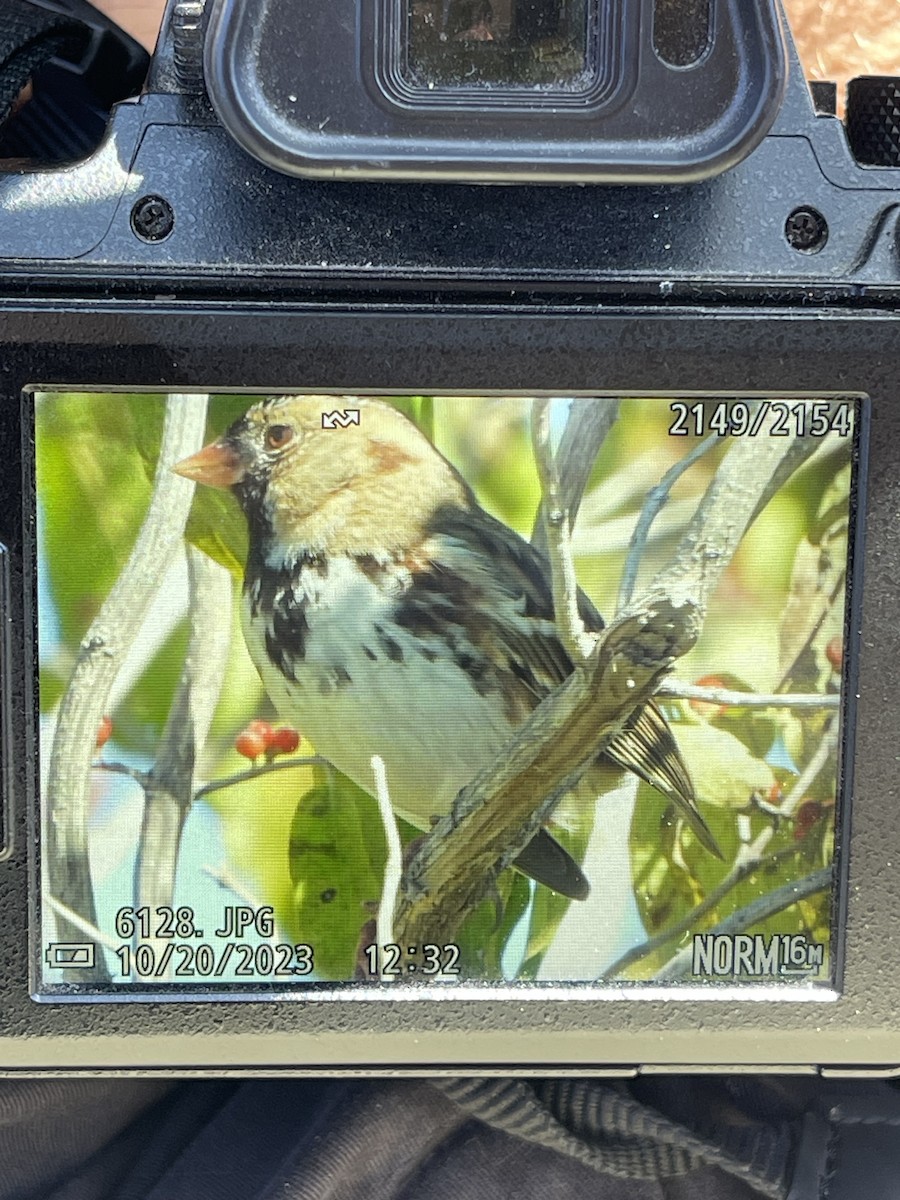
x=441, y=691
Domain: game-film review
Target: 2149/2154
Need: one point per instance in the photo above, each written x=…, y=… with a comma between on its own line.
x=771, y=418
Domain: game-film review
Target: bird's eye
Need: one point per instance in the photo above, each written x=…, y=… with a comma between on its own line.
x=278, y=436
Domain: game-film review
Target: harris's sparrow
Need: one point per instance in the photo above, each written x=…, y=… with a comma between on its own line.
x=387, y=613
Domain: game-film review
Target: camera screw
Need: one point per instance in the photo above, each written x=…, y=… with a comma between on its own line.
x=806, y=230
x=152, y=218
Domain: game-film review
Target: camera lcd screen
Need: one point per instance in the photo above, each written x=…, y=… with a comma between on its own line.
x=286, y=689
x=496, y=43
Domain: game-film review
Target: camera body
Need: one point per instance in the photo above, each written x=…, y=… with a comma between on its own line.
x=173, y=262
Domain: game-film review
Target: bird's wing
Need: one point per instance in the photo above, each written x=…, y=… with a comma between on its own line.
x=646, y=747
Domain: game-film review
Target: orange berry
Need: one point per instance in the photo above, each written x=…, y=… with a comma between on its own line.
x=264, y=730
x=250, y=744
x=284, y=740
x=104, y=731
x=834, y=652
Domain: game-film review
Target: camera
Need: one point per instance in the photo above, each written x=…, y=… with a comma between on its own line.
x=448, y=540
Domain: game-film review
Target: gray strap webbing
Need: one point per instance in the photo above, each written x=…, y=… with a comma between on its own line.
x=603, y=1127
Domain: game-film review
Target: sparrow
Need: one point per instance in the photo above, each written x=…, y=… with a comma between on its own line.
x=388, y=613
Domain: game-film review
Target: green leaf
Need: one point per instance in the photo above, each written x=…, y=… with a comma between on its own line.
x=336, y=854
x=724, y=771
x=216, y=524
x=485, y=933
x=143, y=712
x=549, y=907
x=51, y=688
x=93, y=492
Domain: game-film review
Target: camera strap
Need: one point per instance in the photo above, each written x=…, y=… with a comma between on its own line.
x=30, y=37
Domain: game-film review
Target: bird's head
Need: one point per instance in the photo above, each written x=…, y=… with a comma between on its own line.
x=330, y=474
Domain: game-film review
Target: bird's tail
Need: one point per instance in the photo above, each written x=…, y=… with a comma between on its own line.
x=647, y=748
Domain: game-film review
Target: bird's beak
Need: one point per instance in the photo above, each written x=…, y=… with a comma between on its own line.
x=217, y=465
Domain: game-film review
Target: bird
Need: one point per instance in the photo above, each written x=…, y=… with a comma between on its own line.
x=389, y=614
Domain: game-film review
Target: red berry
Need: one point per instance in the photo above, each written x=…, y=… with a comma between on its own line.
x=834, y=652
x=104, y=731
x=284, y=740
x=250, y=744
x=264, y=730
x=809, y=812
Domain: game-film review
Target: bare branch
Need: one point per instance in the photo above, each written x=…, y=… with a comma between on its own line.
x=557, y=531
x=751, y=914
x=290, y=764
x=393, y=867
x=101, y=655
x=590, y=420
x=169, y=783
x=800, y=451
x=674, y=689
x=68, y=914
x=656, y=498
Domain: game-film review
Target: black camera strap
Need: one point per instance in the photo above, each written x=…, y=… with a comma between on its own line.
x=78, y=63
x=30, y=37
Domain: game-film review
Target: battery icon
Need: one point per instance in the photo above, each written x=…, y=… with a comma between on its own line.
x=70, y=954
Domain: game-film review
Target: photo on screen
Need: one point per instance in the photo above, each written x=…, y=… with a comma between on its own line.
x=338, y=690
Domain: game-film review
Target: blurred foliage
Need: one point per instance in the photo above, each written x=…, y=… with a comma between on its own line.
x=336, y=864
x=310, y=843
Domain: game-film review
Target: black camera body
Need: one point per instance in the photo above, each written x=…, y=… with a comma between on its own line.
x=764, y=272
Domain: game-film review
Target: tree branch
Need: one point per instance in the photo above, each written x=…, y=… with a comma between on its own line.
x=557, y=527
x=754, y=913
x=101, y=654
x=393, y=867
x=590, y=420
x=290, y=764
x=690, y=920
x=169, y=783
x=656, y=499
x=674, y=689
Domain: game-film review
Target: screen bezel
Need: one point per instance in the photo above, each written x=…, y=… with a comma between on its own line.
x=476, y=349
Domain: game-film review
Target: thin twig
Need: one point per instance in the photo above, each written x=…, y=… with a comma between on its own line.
x=117, y=768
x=170, y=781
x=393, y=867
x=588, y=425
x=689, y=921
x=102, y=653
x=656, y=499
x=674, y=689
x=557, y=531
x=729, y=506
x=216, y=785
x=69, y=914
x=751, y=914
x=832, y=598
x=751, y=854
